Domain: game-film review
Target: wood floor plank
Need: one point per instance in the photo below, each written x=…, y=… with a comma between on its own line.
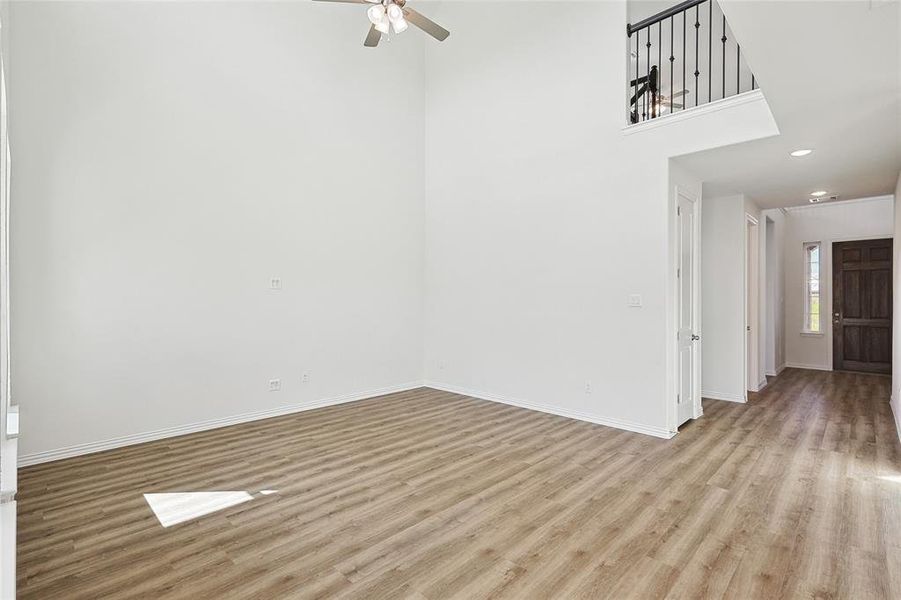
x=431, y=495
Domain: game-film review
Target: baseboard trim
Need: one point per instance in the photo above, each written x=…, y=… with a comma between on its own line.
x=762, y=384
x=712, y=395
x=777, y=372
x=810, y=367
x=159, y=434
x=659, y=432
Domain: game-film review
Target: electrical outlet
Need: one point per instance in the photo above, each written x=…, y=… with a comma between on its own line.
x=587, y=387
x=634, y=300
x=275, y=385
x=275, y=283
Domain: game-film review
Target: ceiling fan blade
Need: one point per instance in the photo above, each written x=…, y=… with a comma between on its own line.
x=676, y=105
x=429, y=26
x=679, y=94
x=372, y=38
x=347, y=1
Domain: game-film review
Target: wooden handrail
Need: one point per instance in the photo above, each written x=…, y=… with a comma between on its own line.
x=673, y=10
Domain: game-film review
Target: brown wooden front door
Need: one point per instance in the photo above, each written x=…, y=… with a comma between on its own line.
x=862, y=306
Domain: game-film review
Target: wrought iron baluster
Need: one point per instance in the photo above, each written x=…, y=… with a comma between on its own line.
x=648, y=69
x=644, y=97
x=672, y=58
x=684, y=59
x=710, y=53
x=724, y=38
x=634, y=111
x=737, y=68
x=697, y=28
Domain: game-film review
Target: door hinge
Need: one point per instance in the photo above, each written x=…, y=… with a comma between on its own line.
x=678, y=398
x=678, y=273
x=678, y=210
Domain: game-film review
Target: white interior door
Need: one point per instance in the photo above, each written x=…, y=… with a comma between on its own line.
x=688, y=364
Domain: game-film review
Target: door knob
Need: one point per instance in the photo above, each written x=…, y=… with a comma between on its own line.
x=695, y=338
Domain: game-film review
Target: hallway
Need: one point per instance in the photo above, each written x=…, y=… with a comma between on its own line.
x=815, y=476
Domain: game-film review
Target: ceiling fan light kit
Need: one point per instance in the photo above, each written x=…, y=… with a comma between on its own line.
x=385, y=15
x=381, y=17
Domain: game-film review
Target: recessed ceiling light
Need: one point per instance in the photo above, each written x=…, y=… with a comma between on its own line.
x=802, y=152
x=818, y=194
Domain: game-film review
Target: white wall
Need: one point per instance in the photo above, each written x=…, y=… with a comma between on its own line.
x=174, y=157
x=757, y=381
x=896, y=293
x=542, y=217
x=171, y=158
x=826, y=223
x=724, y=262
x=8, y=440
x=775, y=291
x=722, y=291
x=896, y=321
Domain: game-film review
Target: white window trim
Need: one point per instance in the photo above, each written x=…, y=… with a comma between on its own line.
x=805, y=331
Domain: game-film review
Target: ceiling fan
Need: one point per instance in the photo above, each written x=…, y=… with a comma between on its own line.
x=385, y=15
x=647, y=90
x=668, y=101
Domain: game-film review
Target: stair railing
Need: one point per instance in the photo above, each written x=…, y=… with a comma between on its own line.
x=658, y=89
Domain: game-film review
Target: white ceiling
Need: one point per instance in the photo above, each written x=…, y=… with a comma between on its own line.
x=831, y=73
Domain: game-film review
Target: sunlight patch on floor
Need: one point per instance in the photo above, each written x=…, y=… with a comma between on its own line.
x=177, y=507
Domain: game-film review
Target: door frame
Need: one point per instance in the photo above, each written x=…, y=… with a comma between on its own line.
x=770, y=304
x=698, y=410
x=750, y=222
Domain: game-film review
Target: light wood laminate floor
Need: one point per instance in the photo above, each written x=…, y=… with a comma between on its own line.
x=427, y=494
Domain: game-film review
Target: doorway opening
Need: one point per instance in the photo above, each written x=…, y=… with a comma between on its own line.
x=772, y=268
x=752, y=300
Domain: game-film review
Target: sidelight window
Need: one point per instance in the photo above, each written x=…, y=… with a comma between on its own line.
x=812, y=306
